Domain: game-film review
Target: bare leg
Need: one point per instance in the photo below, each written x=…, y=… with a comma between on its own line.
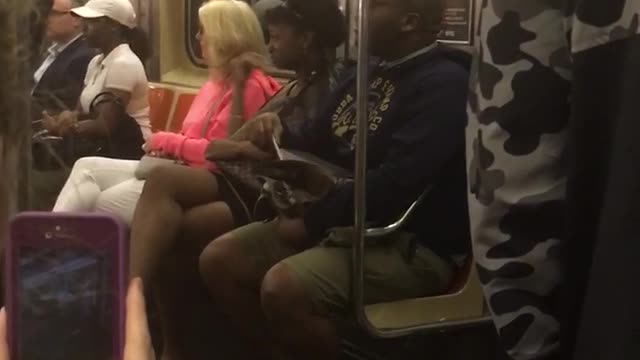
x=233, y=279
x=165, y=290
x=203, y=223
x=178, y=278
x=303, y=330
x=158, y=217
x=156, y=222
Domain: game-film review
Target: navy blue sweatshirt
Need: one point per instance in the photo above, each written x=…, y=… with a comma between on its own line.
x=416, y=140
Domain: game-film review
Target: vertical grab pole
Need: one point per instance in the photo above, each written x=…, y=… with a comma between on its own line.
x=361, y=164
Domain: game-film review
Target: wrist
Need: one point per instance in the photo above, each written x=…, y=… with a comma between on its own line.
x=75, y=127
x=242, y=149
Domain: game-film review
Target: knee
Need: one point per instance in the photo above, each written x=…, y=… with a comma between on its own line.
x=282, y=294
x=219, y=265
x=159, y=180
x=120, y=204
x=86, y=164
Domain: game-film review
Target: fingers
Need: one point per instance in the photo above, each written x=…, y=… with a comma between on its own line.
x=49, y=122
x=261, y=129
x=47, y=117
x=277, y=131
x=271, y=126
x=4, y=347
x=137, y=338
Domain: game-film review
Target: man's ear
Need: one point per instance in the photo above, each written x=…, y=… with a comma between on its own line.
x=410, y=22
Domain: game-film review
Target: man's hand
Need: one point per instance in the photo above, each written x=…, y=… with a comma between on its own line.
x=260, y=130
x=137, y=339
x=67, y=119
x=60, y=124
x=50, y=123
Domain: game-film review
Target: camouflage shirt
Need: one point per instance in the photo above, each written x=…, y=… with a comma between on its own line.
x=520, y=110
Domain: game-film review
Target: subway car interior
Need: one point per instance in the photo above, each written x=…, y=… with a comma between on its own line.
x=454, y=325
x=172, y=120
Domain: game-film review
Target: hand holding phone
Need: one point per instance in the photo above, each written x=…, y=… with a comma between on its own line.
x=137, y=344
x=4, y=347
x=65, y=276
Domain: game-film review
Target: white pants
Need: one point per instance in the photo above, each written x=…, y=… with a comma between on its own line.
x=101, y=184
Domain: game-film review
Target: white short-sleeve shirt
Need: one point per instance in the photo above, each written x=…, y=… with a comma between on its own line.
x=121, y=70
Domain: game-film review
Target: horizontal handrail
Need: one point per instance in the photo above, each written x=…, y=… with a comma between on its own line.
x=396, y=226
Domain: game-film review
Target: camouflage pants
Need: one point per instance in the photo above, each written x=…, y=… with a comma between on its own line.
x=519, y=112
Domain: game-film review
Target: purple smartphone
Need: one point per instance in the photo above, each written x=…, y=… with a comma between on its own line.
x=65, y=286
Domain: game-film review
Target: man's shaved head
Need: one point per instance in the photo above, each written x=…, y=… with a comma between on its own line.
x=398, y=25
x=430, y=12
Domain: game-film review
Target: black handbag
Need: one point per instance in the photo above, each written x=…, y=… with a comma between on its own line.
x=288, y=186
x=290, y=182
x=124, y=142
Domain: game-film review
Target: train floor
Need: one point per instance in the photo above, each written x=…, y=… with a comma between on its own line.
x=202, y=334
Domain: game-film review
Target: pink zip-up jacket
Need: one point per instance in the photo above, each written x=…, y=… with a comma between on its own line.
x=189, y=145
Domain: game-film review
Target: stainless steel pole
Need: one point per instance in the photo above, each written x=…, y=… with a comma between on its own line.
x=361, y=163
x=360, y=232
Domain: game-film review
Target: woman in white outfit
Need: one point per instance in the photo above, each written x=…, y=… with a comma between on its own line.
x=118, y=69
x=110, y=185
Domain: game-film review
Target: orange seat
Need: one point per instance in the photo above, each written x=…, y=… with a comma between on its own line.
x=461, y=277
x=160, y=102
x=180, y=112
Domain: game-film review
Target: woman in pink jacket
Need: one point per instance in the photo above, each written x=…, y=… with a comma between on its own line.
x=229, y=32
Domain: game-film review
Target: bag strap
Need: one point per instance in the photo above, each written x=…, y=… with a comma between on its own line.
x=212, y=111
x=105, y=97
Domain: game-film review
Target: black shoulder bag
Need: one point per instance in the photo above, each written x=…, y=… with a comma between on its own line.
x=124, y=142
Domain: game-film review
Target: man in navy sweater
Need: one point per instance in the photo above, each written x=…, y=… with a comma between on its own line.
x=281, y=271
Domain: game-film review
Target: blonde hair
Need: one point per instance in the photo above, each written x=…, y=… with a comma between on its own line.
x=231, y=29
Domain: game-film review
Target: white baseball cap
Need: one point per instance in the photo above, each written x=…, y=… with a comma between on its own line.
x=120, y=11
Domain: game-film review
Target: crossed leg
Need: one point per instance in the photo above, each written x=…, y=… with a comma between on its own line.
x=177, y=214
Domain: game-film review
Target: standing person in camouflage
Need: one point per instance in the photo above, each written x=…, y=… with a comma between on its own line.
x=536, y=198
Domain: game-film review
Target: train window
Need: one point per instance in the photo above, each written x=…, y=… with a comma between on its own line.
x=193, y=46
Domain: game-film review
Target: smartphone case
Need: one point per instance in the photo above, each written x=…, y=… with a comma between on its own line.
x=33, y=228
